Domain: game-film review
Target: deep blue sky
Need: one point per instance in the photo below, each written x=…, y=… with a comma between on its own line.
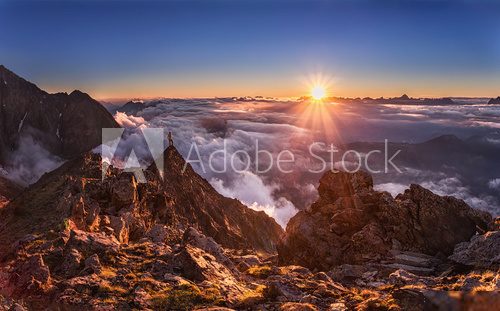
x=222, y=48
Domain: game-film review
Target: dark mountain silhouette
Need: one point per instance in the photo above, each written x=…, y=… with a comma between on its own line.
x=131, y=107
x=494, y=101
x=64, y=124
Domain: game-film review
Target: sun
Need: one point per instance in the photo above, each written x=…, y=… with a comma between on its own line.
x=318, y=92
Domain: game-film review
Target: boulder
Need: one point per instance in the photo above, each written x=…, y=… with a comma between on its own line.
x=457, y=221
x=120, y=228
x=71, y=264
x=84, y=213
x=200, y=259
x=93, y=264
x=483, y=251
x=158, y=233
x=89, y=243
x=32, y=275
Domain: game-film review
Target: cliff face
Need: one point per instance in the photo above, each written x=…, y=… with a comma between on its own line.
x=352, y=223
x=65, y=125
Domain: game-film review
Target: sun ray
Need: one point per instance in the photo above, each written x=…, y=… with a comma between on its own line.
x=317, y=111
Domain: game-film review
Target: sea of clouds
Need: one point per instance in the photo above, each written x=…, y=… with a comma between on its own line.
x=274, y=125
x=465, y=164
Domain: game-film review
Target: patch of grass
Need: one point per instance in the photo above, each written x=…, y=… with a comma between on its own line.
x=186, y=297
x=111, y=289
x=65, y=224
x=261, y=272
x=108, y=272
x=108, y=301
x=252, y=297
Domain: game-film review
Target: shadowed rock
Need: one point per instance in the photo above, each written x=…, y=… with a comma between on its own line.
x=483, y=251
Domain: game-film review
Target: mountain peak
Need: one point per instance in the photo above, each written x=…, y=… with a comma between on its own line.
x=494, y=101
x=77, y=94
x=4, y=69
x=132, y=107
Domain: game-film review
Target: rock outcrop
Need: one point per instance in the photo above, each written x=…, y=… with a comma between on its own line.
x=483, y=251
x=352, y=223
x=64, y=124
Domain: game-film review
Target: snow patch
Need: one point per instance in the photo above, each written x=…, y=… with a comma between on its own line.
x=59, y=126
x=22, y=122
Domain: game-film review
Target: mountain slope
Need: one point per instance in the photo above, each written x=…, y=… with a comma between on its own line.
x=74, y=196
x=64, y=124
x=226, y=220
x=8, y=190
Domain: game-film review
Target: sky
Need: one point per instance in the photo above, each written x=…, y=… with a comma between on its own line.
x=122, y=49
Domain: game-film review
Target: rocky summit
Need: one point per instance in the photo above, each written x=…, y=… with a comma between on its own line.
x=72, y=241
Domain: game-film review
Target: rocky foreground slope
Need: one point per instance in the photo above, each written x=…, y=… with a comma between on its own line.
x=73, y=242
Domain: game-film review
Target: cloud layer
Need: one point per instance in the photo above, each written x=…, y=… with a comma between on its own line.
x=272, y=125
